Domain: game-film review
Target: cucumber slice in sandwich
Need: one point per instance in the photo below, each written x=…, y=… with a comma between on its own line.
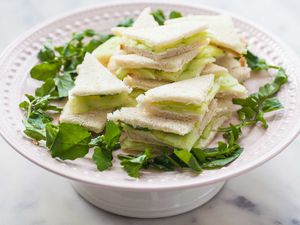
x=229, y=85
x=162, y=41
x=181, y=100
x=96, y=88
x=221, y=27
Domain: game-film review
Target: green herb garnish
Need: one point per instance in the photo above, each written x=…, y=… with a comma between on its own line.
x=133, y=164
x=67, y=141
x=58, y=64
x=175, y=14
x=105, y=145
x=128, y=22
x=257, y=104
x=160, y=17
x=36, y=116
x=251, y=112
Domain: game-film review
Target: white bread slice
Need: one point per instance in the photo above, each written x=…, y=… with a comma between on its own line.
x=172, y=64
x=108, y=48
x=161, y=35
x=202, y=143
x=222, y=28
x=237, y=90
x=191, y=91
x=93, y=121
x=220, y=112
x=144, y=84
x=212, y=111
x=136, y=117
x=225, y=105
x=94, y=79
x=241, y=73
x=213, y=69
x=145, y=19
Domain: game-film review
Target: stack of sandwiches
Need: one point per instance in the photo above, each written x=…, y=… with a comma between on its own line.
x=168, y=86
x=176, y=115
x=95, y=93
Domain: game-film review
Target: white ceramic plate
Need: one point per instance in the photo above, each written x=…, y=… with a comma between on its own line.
x=260, y=145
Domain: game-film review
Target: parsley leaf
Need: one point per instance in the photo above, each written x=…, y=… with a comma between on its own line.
x=67, y=141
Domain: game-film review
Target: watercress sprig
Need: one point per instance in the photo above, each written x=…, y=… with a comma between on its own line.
x=57, y=67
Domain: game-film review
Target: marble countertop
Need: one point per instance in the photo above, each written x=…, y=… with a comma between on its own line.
x=267, y=195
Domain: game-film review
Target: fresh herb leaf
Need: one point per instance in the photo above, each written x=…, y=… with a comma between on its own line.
x=89, y=33
x=48, y=88
x=233, y=132
x=159, y=16
x=163, y=162
x=103, y=158
x=188, y=158
x=175, y=14
x=128, y=22
x=47, y=53
x=200, y=154
x=110, y=138
x=218, y=163
x=97, y=141
x=51, y=132
x=253, y=107
x=24, y=105
x=35, y=125
x=45, y=70
x=36, y=117
x=64, y=83
x=271, y=104
x=255, y=63
x=105, y=144
x=67, y=141
x=38, y=103
x=112, y=135
x=133, y=165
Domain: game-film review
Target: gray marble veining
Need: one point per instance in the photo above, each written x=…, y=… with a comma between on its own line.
x=267, y=195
